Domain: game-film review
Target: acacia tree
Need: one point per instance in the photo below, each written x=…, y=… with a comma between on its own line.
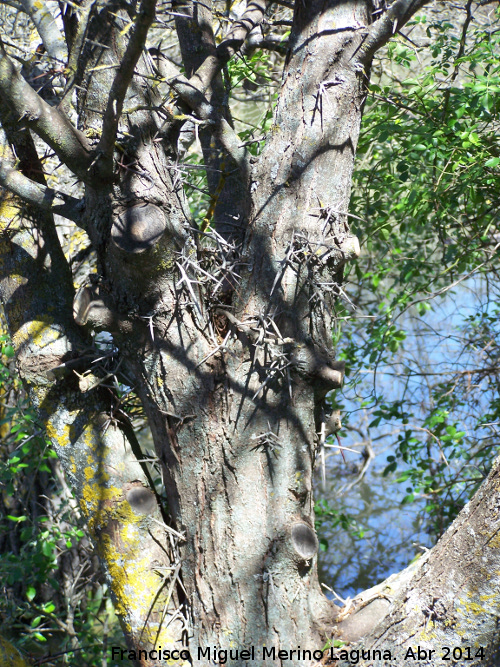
x=222, y=326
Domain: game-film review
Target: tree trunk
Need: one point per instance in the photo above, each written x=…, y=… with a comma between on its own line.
x=445, y=610
x=238, y=430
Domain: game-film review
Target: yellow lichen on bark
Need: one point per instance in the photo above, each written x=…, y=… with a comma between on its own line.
x=38, y=332
x=139, y=588
x=9, y=210
x=10, y=656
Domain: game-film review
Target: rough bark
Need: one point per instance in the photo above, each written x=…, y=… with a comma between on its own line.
x=449, y=602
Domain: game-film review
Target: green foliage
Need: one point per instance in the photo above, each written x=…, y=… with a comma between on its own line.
x=51, y=599
x=427, y=189
x=252, y=69
x=326, y=513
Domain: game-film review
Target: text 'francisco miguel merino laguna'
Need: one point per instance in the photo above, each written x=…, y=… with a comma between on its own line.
x=220, y=656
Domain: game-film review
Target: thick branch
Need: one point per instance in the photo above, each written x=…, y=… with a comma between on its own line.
x=380, y=32
x=47, y=29
x=205, y=111
x=457, y=582
x=123, y=78
x=233, y=41
x=271, y=43
x=38, y=195
x=49, y=123
x=122, y=512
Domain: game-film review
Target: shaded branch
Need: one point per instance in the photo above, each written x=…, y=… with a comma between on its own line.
x=269, y=43
x=47, y=28
x=380, y=32
x=122, y=80
x=231, y=43
x=39, y=195
x=205, y=111
x=51, y=125
x=76, y=48
x=31, y=168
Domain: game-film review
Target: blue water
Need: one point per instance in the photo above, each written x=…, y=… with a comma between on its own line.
x=395, y=533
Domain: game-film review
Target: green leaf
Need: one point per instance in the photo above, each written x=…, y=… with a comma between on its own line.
x=48, y=549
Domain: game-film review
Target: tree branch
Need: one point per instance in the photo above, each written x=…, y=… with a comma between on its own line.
x=69, y=144
x=231, y=43
x=40, y=195
x=380, y=32
x=205, y=111
x=122, y=81
x=270, y=43
x=47, y=29
x=31, y=168
x=227, y=179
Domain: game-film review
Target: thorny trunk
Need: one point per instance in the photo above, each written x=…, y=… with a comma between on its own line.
x=236, y=425
x=238, y=430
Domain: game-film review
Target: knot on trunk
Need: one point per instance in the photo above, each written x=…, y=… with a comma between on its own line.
x=329, y=376
x=138, y=228
x=323, y=373
x=141, y=500
x=304, y=541
x=89, y=309
x=350, y=248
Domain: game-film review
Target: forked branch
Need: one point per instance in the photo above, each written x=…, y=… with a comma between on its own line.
x=39, y=195
x=204, y=110
x=380, y=32
x=51, y=125
x=231, y=43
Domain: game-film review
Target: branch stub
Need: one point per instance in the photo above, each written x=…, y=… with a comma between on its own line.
x=138, y=228
x=141, y=500
x=304, y=540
